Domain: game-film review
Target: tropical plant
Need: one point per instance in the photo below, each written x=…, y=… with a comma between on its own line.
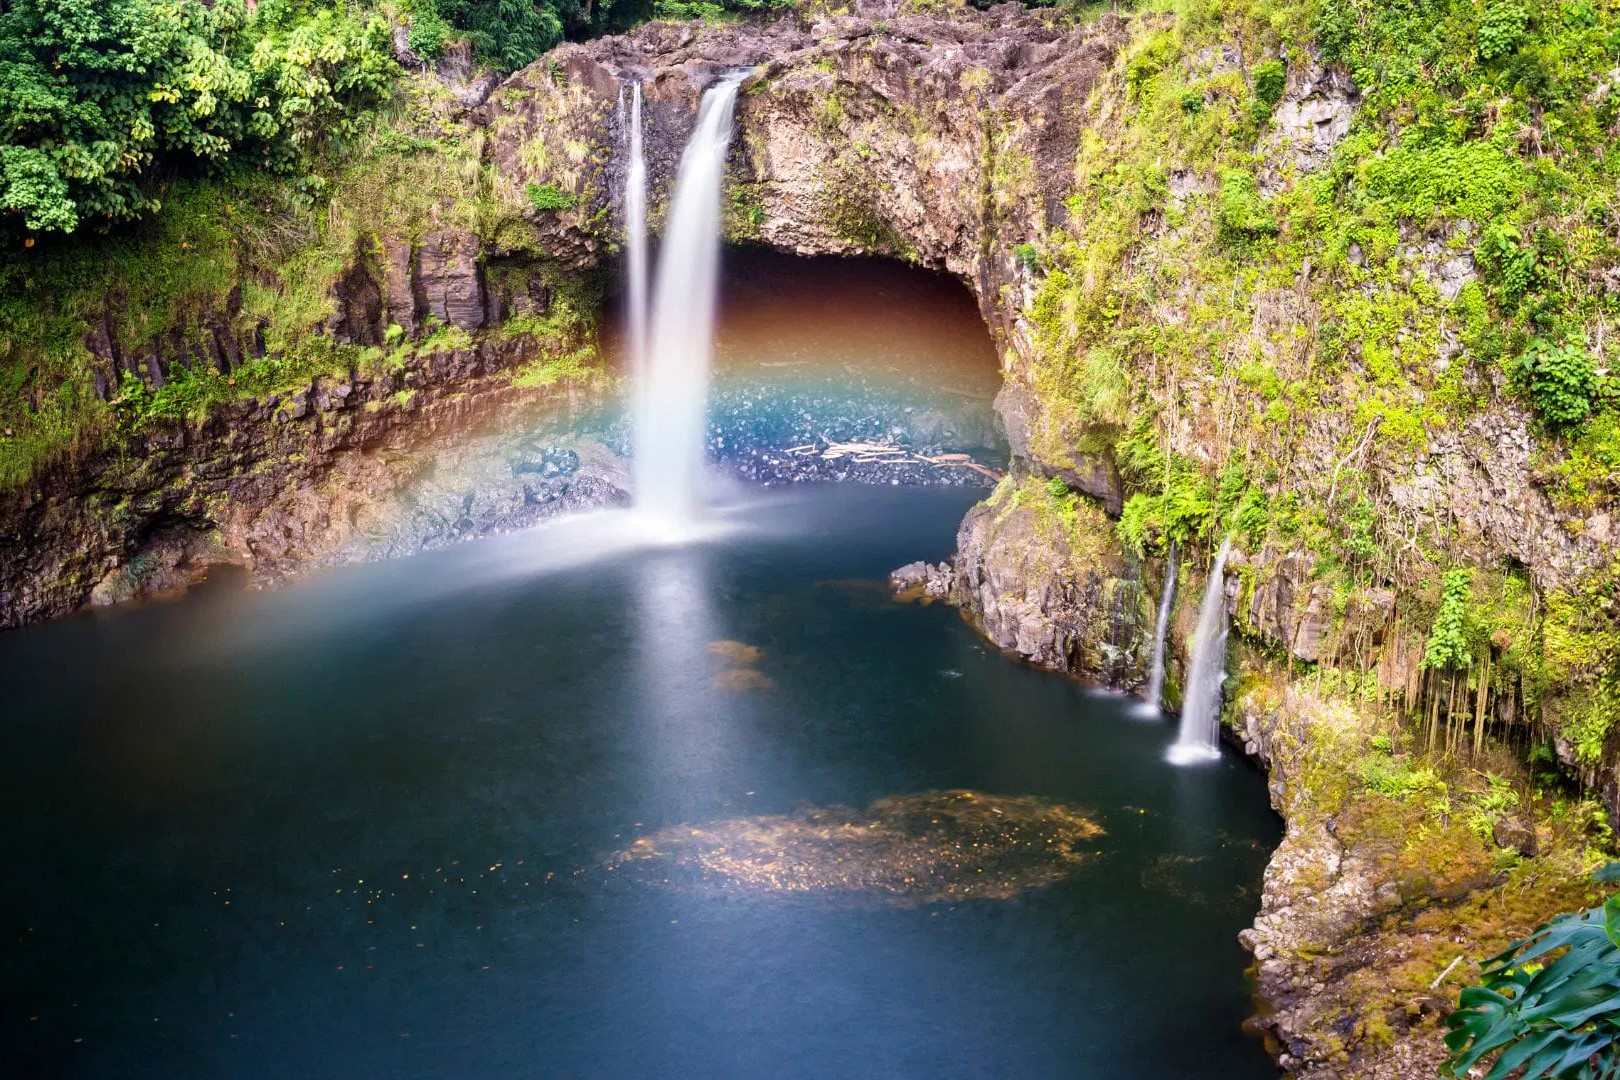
x=101, y=99
x=1549, y=1004
x=1241, y=212
x=1561, y=381
x=1447, y=646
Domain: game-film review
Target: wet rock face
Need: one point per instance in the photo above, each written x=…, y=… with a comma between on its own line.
x=335, y=472
x=867, y=132
x=937, y=847
x=1023, y=587
x=449, y=283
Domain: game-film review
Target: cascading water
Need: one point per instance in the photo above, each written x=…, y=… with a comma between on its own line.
x=1201, y=704
x=673, y=394
x=1155, y=688
x=635, y=231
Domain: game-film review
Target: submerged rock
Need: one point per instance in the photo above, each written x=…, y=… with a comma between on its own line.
x=923, y=581
x=927, y=848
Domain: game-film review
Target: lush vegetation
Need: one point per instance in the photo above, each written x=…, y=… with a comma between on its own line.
x=101, y=102
x=104, y=103
x=1262, y=332
x=508, y=34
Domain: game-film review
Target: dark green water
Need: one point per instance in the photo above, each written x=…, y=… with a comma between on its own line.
x=361, y=827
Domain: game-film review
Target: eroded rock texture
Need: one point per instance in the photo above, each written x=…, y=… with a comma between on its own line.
x=1061, y=605
x=279, y=483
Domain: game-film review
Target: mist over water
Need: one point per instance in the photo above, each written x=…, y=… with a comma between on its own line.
x=369, y=825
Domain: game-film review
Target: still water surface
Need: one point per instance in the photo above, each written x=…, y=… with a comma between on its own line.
x=373, y=825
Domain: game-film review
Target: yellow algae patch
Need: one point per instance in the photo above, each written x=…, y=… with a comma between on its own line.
x=909, y=849
x=740, y=672
x=740, y=679
x=737, y=652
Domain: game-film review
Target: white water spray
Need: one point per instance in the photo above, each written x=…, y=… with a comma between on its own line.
x=635, y=231
x=1154, y=701
x=1201, y=704
x=673, y=397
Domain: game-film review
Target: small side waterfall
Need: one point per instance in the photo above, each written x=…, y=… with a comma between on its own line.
x=1154, y=700
x=670, y=405
x=1201, y=704
x=635, y=231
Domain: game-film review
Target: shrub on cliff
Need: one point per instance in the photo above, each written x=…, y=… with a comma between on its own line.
x=101, y=99
x=1560, y=381
x=505, y=34
x=1242, y=213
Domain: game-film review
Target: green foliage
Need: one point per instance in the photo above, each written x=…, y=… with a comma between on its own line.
x=1027, y=256
x=1501, y=28
x=1184, y=510
x=1560, y=380
x=1147, y=59
x=1360, y=532
x=98, y=100
x=1270, y=79
x=548, y=197
x=506, y=34
x=1396, y=778
x=1548, y=1005
x=1448, y=645
x=1513, y=266
x=713, y=10
x=429, y=33
x=1242, y=213
x=550, y=370
x=1483, y=810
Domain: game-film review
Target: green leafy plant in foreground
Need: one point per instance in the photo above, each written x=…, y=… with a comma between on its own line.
x=1548, y=1005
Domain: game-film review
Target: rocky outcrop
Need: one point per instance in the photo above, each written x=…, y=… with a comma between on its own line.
x=336, y=470
x=1383, y=898
x=943, y=139
x=449, y=281
x=1052, y=591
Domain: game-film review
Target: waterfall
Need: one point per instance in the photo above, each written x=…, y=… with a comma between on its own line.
x=1155, y=687
x=670, y=404
x=635, y=232
x=1201, y=703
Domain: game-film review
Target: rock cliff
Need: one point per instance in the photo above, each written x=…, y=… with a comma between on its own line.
x=1153, y=349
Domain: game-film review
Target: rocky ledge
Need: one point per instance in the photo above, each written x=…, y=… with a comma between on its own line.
x=347, y=468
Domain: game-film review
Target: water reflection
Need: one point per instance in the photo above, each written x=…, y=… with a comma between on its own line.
x=363, y=827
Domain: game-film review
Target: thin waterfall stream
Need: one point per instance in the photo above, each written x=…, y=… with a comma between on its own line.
x=1199, y=739
x=672, y=395
x=1154, y=700
x=635, y=230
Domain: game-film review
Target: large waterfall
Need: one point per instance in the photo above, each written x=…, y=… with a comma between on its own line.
x=1155, y=687
x=672, y=397
x=1201, y=703
x=635, y=231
